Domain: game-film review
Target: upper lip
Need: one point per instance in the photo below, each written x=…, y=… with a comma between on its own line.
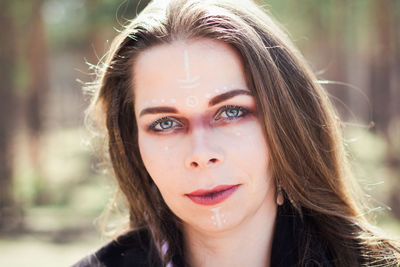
x=219, y=188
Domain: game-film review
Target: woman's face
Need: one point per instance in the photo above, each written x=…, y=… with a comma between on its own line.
x=199, y=135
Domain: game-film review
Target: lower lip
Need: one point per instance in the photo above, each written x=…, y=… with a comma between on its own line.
x=214, y=197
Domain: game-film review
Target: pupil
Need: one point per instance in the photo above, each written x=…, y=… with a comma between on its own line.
x=166, y=124
x=233, y=112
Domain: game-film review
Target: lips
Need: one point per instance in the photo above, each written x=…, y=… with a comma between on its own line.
x=214, y=196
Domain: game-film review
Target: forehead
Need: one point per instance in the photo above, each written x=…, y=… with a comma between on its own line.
x=191, y=67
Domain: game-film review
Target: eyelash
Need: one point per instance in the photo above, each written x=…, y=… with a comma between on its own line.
x=244, y=111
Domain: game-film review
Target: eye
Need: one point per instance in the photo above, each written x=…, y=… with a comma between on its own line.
x=230, y=112
x=164, y=124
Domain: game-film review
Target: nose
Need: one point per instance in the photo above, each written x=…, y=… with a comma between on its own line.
x=203, y=154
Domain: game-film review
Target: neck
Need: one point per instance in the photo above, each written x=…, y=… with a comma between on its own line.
x=248, y=244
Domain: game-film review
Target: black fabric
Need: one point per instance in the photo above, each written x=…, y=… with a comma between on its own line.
x=133, y=249
x=290, y=241
x=296, y=241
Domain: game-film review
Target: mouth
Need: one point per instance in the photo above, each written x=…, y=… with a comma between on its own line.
x=213, y=196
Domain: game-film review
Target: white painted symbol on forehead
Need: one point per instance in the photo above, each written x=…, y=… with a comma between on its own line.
x=192, y=101
x=218, y=219
x=188, y=82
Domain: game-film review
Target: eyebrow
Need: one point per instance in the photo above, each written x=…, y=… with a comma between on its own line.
x=213, y=101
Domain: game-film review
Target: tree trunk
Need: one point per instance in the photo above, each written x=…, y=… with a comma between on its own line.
x=7, y=115
x=37, y=61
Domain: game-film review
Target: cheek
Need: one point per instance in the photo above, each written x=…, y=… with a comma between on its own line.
x=246, y=143
x=248, y=152
x=159, y=158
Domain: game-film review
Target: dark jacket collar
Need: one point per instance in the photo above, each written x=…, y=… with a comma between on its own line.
x=296, y=242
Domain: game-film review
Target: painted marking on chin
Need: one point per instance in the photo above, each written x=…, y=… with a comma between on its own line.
x=217, y=219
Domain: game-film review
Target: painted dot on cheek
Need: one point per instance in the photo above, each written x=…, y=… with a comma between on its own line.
x=250, y=138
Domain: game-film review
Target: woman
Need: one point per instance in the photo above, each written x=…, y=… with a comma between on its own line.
x=226, y=148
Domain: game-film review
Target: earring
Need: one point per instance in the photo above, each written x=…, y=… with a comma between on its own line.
x=279, y=197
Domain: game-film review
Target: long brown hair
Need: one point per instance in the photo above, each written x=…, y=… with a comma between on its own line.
x=301, y=127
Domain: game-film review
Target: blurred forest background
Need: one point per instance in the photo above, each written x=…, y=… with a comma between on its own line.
x=52, y=190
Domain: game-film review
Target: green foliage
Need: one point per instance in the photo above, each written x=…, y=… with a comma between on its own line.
x=66, y=177
x=380, y=181
x=73, y=24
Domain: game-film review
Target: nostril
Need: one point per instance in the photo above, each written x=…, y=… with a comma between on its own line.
x=213, y=160
x=194, y=164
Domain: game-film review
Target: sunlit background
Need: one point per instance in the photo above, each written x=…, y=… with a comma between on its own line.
x=52, y=187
